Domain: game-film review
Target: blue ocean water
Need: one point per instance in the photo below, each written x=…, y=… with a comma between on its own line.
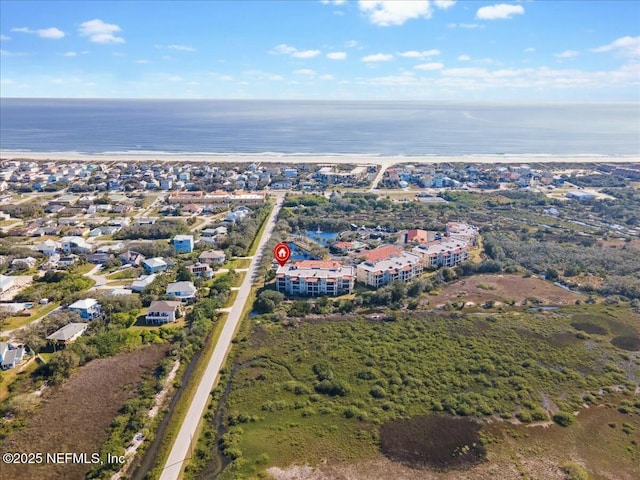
x=314, y=127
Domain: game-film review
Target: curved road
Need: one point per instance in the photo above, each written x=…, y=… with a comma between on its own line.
x=181, y=449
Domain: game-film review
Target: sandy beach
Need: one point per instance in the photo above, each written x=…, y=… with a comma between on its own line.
x=384, y=161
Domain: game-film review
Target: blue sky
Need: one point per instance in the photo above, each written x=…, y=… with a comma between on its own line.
x=527, y=51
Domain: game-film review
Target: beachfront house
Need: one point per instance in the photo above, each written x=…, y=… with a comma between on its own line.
x=183, y=243
x=88, y=308
x=163, y=311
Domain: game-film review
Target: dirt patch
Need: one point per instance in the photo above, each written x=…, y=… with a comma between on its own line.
x=76, y=416
x=627, y=342
x=479, y=289
x=437, y=441
x=590, y=328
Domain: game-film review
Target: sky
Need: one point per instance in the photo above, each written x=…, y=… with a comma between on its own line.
x=498, y=51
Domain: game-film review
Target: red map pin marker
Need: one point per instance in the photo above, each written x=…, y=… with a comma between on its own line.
x=282, y=253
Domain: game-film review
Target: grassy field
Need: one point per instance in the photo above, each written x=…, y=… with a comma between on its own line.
x=75, y=417
x=18, y=321
x=237, y=263
x=9, y=376
x=322, y=390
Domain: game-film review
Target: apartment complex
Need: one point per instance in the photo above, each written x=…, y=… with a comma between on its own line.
x=448, y=252
x=315, y=277
x=387, y=264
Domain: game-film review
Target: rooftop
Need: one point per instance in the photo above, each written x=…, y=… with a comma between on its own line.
x=67, y=332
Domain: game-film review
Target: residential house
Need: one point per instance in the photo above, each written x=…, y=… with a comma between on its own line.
x=26, y=262
x=67, y=334
x=132, y=258
x=192, y=208
x=201, y=270
x=67, y=260
x=48, y=247
x=142, y=282
x=212, y=256
x=11, y=356
x=88, y=308
x=182, y=290
x=154, y=265
x=163, y=311
x=99, y=257
x=315, y=277
x=387, y=264
x=75, y=244
x=183, y=243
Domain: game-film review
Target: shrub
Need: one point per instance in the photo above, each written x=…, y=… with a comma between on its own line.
x=564, y=419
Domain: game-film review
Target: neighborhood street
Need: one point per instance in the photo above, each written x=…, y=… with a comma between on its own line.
x=181, y=449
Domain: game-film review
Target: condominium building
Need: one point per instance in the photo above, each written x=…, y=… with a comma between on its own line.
x=387, y=264
x=448, y=252
x=315, y=277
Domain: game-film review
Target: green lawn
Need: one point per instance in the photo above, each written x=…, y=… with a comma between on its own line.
x=237, y=263
x=18, y=321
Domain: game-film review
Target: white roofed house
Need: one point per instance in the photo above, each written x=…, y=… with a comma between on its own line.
x=48, y=247
x=142, y=282
x=212, y=256
x=88, y=308
x=75, y=244
x=10, y=356
x=164, y=311
x=182, y=290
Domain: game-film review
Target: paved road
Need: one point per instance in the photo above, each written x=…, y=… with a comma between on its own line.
x=181, y=449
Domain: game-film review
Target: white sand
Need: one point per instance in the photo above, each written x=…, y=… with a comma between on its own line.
x=384, y=161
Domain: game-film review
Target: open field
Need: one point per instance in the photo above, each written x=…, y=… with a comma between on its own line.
x=503, y=288
x=319, y=393
x=75, y=416
x=20, y=321
x=514, y=452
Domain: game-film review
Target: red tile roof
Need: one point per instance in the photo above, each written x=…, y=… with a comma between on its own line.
x=381, y=253
x=326, y=264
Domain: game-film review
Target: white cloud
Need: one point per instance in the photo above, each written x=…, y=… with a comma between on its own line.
x=221, y=76
x=336, y=55
x=261, y=75
x=429, y=66
x=465, y=25
x=306, y=54
x=6, y=53
x=625, y=45
x=100, y=32
x=333, y=2
x=4, y=38
x=378, y=57
x=499, y=12
x=394, y=12
x=143, y=62
x=464, y=58
x=305, y=71
x=284, y=49
x=50, y=33
x=423, y=54
x=567, y=54
x=174, y=78
x=181, y=48
x=326, y=77
x=529, y=50
x=351, y=44
x=71, y=54
x=444, y=4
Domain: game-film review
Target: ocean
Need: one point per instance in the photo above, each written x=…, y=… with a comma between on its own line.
x=317, y=127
